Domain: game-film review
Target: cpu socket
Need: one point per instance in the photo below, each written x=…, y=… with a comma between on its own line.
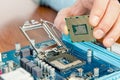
x=65, y=61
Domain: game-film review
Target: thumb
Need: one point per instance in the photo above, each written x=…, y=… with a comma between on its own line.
x=67, y=12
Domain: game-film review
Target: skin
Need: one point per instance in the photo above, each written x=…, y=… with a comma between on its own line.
x=104, y=17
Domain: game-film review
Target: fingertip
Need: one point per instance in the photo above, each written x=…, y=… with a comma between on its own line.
x=108, y=42
x=94, y=20
x=98, y=34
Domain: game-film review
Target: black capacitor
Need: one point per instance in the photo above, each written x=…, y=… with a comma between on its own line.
x=37, y=72
x=29, y=66
x=25, y=52
x=23, y=62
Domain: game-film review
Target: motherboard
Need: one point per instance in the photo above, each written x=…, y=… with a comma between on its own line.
x=59, y=58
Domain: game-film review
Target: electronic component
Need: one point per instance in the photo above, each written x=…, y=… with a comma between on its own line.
x=10, y=65
x=79, y=28
x=25, y=53
x=49, y=28
x=89, y=55
x=37, y=72
x=80, y=70
x=65, y=61
x=5, y=69
x=96, y=72
x=17, y=47
x=19, y=74
x=29, y=66
x=23, y=62
x=52, y=73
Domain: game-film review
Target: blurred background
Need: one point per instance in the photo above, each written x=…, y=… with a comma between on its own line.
x=13, y=14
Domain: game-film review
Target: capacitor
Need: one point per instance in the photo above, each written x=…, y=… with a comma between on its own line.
x=42, y=65
x=36, y=60
x=17, y=47
x=25, y=53
x=48, y=69
x=45, y=68
x=10, y=64
x=89, y=55
x=36, y=71
x=34, y=53
x=39, y=63
x=5, y=69
x=80, y=70
x=52, y=73
x=96, y=72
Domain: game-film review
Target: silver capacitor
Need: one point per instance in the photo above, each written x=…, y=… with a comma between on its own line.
x=52, y=73
x=42, y=65
x=48, y=69
x=39, y=63
x=80, y=70
x=89, y=55
x=10, y=64
x=96, y=72
x=5, y=69
x=36, y=60
x=45, y=68
x=17, y=47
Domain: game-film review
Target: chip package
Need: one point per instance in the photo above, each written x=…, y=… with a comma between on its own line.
x=79, y=28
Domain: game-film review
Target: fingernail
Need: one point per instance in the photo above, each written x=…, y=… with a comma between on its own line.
x=98, y=34
x=94, y=21
x=108, y=42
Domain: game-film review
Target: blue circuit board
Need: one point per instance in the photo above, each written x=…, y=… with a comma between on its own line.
x=106, y=62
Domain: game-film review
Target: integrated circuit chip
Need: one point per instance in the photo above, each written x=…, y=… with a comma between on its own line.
x=79, y=29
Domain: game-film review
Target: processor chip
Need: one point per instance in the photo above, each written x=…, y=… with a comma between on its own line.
x=79, y=29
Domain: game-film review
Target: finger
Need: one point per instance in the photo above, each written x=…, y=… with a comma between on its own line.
x=59, y=21
x=108, y=20
x=97, y=12
x=113, y=35
x=75, y=10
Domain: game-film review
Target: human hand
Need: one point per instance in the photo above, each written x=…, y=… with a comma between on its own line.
x=104, y=17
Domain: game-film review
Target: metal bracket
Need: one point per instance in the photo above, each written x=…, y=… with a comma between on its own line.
x=48, y=27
